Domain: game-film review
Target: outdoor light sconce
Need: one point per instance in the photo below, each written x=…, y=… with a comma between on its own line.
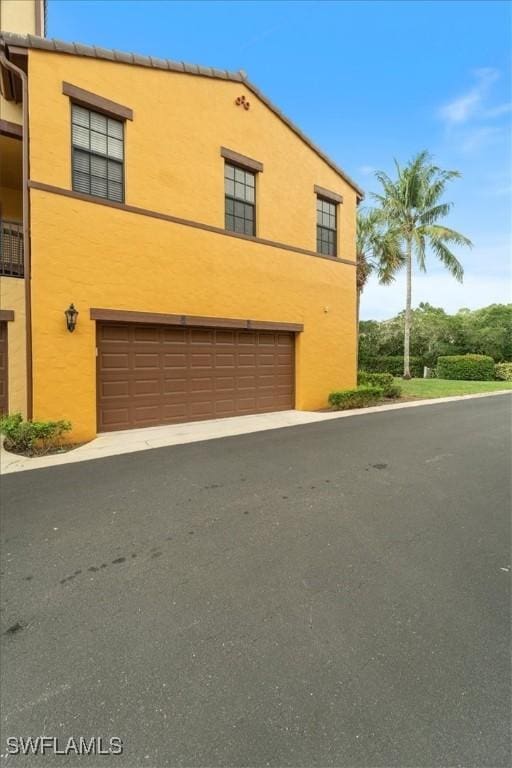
x=71, y=316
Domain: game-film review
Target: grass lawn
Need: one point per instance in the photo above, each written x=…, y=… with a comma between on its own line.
x=445, y=388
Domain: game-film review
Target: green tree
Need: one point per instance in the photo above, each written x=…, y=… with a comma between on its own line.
x=411, y=205
x=378, y=251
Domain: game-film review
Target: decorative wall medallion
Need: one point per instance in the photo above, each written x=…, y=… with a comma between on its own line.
x=241, y=101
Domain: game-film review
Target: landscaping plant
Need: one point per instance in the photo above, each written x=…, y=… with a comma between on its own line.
x=383, y=380
x=33, y=438
x=465, y=367
x=411, y=204
x=355, y=398
x=503, y=371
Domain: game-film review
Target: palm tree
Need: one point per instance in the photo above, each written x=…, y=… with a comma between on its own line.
x=411, y=204
x=378, y=250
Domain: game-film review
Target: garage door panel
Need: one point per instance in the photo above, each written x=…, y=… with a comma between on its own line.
x=169, y=335
x=174, y=386
x=145, y=415
x=200, y=336
x=225, y=360
x=163, y=375
x=114, y=332
x=174, y=412
x=146, y=360
x=115, y=361
x=225, y=337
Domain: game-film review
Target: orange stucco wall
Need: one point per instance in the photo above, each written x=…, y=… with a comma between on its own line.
x=100, y=257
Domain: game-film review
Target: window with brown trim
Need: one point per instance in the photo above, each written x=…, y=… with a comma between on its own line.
x=326, y=229
x=240, y=200
x=97, y=154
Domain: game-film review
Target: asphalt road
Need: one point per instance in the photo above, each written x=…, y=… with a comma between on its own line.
x=336, y=594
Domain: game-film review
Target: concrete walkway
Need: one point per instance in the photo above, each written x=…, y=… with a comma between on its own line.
x=130, y=441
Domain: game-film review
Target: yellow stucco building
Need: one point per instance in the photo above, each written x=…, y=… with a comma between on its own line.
x=206, y=243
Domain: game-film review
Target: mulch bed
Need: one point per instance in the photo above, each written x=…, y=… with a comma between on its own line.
x=65, y=448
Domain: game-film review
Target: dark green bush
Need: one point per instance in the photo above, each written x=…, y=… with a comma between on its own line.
x=355, y=398
x=465, y=367
x=393, y=364
x=31, y=437
x=503, y=371
x=382, y=380
x=393, y=392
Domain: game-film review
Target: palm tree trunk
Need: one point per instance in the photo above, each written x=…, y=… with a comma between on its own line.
x=407, y=331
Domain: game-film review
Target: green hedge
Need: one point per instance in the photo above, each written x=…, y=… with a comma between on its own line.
x=393, y=364
x=32, y=438
x=355, y=398
x=465, y=367
x=382, y=380
x=503, y=371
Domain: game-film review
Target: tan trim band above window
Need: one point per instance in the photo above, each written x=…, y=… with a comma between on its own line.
x=6, y=315
x=241, y=160
x=333, y=197
x=99, y=103
x=12, y=130
x=157, y=318
x=182, y=222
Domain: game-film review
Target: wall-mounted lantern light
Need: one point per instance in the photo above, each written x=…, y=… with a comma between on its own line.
x=71, y=316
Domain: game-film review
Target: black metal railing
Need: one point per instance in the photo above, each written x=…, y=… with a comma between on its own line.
x=11, y=248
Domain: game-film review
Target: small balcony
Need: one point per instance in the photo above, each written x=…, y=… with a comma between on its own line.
x=11, y=248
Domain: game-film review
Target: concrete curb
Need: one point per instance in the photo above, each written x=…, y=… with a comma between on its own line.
x=117, y=443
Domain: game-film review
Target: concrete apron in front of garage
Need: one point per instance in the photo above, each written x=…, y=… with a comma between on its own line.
x=130, y=441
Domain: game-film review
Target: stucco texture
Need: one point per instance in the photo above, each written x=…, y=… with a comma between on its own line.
x=97, y=256
x=12, y=296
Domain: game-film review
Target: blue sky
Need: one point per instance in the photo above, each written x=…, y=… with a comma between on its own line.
x=368, y=81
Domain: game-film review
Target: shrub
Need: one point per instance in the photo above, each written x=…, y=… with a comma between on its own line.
x=465, y=367
x=382, y=380
x=393, y=364
x=393, y=392
x=503, y=371
x=355, y=398
x=31, y=437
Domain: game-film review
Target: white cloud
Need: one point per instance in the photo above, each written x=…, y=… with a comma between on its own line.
x=501, y=109
x=380, y=302
x=481, y=137
x=366, y=170
x=466, y=106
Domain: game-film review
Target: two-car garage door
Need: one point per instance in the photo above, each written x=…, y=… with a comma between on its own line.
x=157, y=374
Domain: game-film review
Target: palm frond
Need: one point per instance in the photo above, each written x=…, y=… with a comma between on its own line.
x=447, y=258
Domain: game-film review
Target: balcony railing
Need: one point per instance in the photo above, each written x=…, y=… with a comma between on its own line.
x=11, y=248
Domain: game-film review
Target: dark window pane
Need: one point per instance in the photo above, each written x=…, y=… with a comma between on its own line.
x=99, y=166
x=239, y=209
x=115, y=171
x=80, y=116
x=239, y=225
x=81, y=182
x=230, y=223
x=229, y=172
x=98, y=186
x=115, y=191
x=249, y=227
x=81, y=161
x=80, y=137
x=230, y=205
x=91, y=148
x=98, y=122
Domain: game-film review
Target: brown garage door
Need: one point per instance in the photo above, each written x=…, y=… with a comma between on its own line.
x=150, y=375
x=4, y=405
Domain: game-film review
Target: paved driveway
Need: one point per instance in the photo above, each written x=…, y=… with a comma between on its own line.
x=334, y=594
